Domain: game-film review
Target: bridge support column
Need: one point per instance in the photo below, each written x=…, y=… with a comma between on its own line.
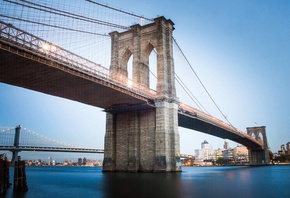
x=167, y=153
x=128, y=136
x=259, y=156
x=143, y=140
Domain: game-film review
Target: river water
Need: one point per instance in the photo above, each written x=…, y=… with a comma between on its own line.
x=236, y=181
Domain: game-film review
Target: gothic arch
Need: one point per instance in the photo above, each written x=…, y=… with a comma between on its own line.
x=140, y=41
x=124, y=61
x=259, y=133
x=151, y=69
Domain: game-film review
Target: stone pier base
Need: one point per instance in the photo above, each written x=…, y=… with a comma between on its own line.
x=145, y=140
x=259, y=156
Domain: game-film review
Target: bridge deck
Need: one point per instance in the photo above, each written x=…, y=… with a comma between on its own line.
x=33, y=72
x=200, y=125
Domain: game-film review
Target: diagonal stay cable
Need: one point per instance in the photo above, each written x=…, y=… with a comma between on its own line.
x=190, y=94
x=200, y=81
x=186, y=89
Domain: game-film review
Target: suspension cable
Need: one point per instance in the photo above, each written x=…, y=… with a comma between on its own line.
x=67, y=14
x=190, y=94
x=119, y=10
x=185, y=88
x=200, y=81
x=54, y=26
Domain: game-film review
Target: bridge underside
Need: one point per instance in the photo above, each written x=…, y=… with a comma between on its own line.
x=20, y=68
x=194, y=123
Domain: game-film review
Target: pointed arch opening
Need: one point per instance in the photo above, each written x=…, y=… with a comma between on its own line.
x=126, y=64
x=151, y=62
x=260, y=138
x=253, y=135
x=153, y=69
x=130, y=68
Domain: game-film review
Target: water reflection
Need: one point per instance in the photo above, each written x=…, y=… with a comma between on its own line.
x=142, y=184
x=238, y=182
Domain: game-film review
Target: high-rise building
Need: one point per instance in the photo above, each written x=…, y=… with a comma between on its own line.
x=283, y=150
x=206, y=153
x=80, y=161
x=226, y=145
x=84, y=161
x=205, y=145
x=49, y=161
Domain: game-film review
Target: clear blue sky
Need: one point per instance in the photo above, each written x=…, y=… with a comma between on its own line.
x=240, y=50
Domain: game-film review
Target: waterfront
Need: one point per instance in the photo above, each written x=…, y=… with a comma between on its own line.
x=231, y=181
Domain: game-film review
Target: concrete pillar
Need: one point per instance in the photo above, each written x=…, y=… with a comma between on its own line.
x=145, y=140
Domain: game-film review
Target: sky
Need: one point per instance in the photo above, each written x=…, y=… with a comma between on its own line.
x=239, y=49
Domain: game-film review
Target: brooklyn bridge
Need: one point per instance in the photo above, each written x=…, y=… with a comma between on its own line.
x=141, y=122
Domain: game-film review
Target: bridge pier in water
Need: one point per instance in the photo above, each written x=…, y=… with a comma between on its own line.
x=259, y=156
x=144, y=138
x=16, y=144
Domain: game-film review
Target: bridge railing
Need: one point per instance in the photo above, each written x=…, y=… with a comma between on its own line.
x=206, y=117
x=40, y=47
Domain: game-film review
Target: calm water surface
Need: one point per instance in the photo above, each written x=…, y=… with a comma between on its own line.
x=268, y=181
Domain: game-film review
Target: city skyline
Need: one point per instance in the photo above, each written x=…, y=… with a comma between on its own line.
x=239, y=49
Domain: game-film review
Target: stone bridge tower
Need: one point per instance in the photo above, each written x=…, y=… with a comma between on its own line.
x=144, y=139
x=259, y=156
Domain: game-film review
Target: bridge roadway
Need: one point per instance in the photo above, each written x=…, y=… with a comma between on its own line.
x=51, y=149
x=25, y=62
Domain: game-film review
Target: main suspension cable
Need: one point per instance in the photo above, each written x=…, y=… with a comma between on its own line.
x=119, y=10
x=67, y=14
x=54, y=26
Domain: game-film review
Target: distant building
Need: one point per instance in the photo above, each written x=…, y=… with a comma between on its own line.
x=49, y=161
x=241, y=154
x=80, y=161
x=288, y=148
x=226, y=145
x=228, y=155
x=237, y=155
x=205, y=154
x=218, y=153
x=283, y=150
x=205, y=145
